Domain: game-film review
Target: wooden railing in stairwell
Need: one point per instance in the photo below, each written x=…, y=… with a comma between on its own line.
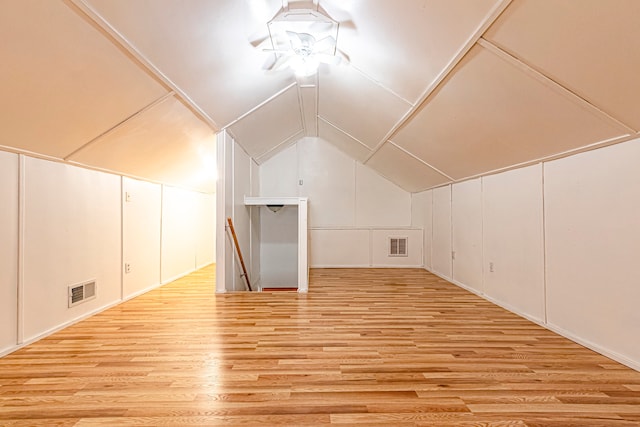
x=237, y=245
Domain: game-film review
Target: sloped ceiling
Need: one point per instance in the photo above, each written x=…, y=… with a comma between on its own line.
x=435, y=91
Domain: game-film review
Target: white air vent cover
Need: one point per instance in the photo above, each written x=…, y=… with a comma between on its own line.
x=82, y=292
x=398, y=246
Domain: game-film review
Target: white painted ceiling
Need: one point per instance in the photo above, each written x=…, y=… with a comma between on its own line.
x=435, y=90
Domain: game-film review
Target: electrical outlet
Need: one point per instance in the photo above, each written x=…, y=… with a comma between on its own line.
x=127, y=268
x=490, y=267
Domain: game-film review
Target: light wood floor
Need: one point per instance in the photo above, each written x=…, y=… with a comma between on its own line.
x=364, y=347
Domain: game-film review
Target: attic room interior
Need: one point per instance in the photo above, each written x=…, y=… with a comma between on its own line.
x=435, y=202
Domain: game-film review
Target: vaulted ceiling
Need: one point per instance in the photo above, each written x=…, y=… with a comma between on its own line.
x=434, y=91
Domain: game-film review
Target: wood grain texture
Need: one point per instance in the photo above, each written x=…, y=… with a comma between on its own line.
x=374, y=347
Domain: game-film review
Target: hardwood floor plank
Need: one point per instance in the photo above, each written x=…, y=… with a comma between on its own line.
x=368, y=347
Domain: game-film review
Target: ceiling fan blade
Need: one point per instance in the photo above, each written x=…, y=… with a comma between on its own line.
x=280, y=63
x=325, y=45
x=347, y=25
x=344, y=58
x=258, y=38
x=269, y=62
x=301, y=40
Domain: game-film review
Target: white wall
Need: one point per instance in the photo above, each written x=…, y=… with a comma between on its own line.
x=72, y=234
x=466, y=224
x=379, y=202
x=559, y=244
x=349, y=248
x=279, y=247
x=205, y=229
x=187, y=232
x=141, y=214
x=350, y=206
x=441, y=238
x=279, y=175
x=328, y=179
x=592, y=217
x=178, y=233
x=75, y=226
x=8, y=250
x=239, y=178
x=422, y=217
x=513, y=240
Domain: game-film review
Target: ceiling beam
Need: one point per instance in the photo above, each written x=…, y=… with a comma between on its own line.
x=491, y=17
x=88, y=12
x=554, y=85
x=119, y=125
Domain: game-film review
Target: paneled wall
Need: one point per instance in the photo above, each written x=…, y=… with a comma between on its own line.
x=441, y=243
x=513, y=240
x=178, y=235
x=558, y=244
x=78, y=225
x=240, y=179
x=352, y=210
x=466, y=229
x=72, y=234
x=422, y=217
x=8, y=250
x=592, y=234
x=141, y=216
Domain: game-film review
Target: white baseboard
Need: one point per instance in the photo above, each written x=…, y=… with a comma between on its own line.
x=611, y=354
x=82, y=317
x=60, y=327
x=141, y=292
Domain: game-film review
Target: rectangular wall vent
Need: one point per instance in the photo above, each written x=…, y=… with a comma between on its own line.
x=398, y=246
x=82, y=292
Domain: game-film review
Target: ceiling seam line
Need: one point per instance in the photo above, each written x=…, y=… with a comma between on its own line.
x=317, y=105
x=119, y=124
x=490, y=18
x=346, y=133
x=301, y=109
x=378, y=83
x=591, y=147
x=285, y=141
x=262, y=104
x=420, y=160
x=99, y=20
x=551, y=83
x=568, y=153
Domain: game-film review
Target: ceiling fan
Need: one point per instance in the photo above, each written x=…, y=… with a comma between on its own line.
x=301, y=39
x=305, y=53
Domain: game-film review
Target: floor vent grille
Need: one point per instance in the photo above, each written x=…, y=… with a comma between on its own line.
x=398, y=246
x=82, y=292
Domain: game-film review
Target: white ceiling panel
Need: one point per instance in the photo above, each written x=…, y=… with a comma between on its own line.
x=63, y=82
x=343, y=141
x=405, y=45
x=203, y=48
x=357, y=105
x=271, y=125
x=547, y=78
x=404, y=170
x=589, y=46
x=166, y=143
x=491, y=114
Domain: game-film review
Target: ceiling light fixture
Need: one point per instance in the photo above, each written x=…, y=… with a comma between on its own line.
x=302, y=39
